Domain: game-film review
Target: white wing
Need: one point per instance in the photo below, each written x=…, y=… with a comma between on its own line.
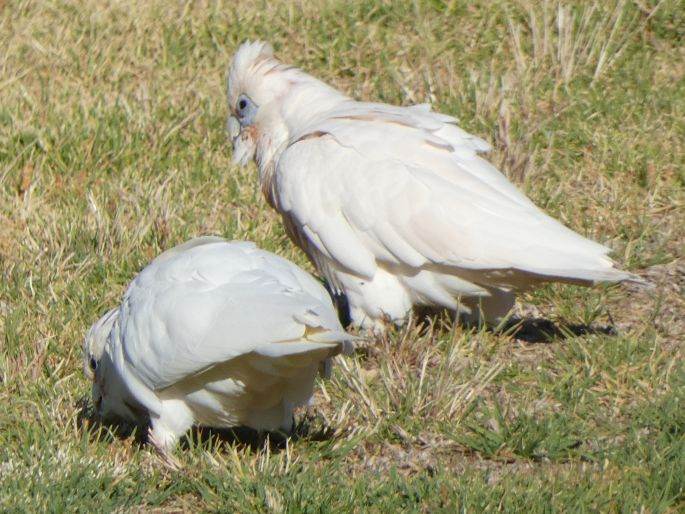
x=205, y=304
x=370, y=183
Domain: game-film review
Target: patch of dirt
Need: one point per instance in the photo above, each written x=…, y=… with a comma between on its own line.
x=662, y=306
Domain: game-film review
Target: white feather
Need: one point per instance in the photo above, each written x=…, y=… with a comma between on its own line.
x=378, y=195
x=213, y=332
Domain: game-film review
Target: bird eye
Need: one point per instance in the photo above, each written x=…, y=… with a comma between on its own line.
x=93, y=363
x=246, y=110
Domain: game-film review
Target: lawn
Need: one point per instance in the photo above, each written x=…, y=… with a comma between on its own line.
x=113, y=147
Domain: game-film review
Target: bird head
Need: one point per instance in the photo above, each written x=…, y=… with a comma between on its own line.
x=110, y=395
x=95, y=342
x=269, y=102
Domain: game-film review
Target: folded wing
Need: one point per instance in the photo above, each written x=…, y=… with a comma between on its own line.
x=212, y=303
x=371, y=184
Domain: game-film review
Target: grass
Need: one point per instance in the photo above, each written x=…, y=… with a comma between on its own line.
x=113, y=148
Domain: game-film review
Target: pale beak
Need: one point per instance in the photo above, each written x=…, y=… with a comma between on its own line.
x=243, y=145
x=96, y=394
x=233, y=127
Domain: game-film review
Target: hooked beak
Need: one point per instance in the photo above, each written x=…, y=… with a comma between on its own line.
x=243, y=144
x=96, y=394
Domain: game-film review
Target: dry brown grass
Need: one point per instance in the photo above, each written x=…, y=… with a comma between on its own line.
x=112, y=148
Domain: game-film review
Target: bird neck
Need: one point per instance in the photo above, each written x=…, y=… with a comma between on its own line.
x=301, y=103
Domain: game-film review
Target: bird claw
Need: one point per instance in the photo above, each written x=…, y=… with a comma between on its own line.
x=168, y=460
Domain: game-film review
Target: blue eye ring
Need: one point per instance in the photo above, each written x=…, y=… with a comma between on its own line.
x=245, y=110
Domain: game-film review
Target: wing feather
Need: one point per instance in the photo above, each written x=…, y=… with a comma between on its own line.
x=407, y=187
x=216, y=302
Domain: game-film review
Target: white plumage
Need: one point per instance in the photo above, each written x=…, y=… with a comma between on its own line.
x=215, y=333
x=394, y=205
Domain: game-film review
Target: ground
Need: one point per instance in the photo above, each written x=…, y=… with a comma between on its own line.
x=113, y=148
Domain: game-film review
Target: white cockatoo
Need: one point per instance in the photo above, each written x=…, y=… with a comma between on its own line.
x=214, y=333
x=395, y=205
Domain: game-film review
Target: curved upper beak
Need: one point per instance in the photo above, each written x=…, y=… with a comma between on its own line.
x=243, y=144
x=233, y=127
x=96, y=394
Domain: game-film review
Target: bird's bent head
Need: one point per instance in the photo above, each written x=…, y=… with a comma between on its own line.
x=110, y=395
x=94, y=344
x=269, y=102
x=95, y=360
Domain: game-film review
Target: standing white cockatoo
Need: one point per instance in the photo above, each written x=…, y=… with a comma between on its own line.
x=394, y=205
x=214, y=333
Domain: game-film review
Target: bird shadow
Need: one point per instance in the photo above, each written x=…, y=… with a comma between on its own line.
x=310, y=427
x=529, y=330
x=541, y=330
x=100, y=429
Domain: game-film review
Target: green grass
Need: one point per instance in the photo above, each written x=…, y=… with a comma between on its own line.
x=113, y=148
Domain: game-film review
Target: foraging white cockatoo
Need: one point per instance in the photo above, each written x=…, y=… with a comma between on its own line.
x=214, y=333
x=395, y=205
